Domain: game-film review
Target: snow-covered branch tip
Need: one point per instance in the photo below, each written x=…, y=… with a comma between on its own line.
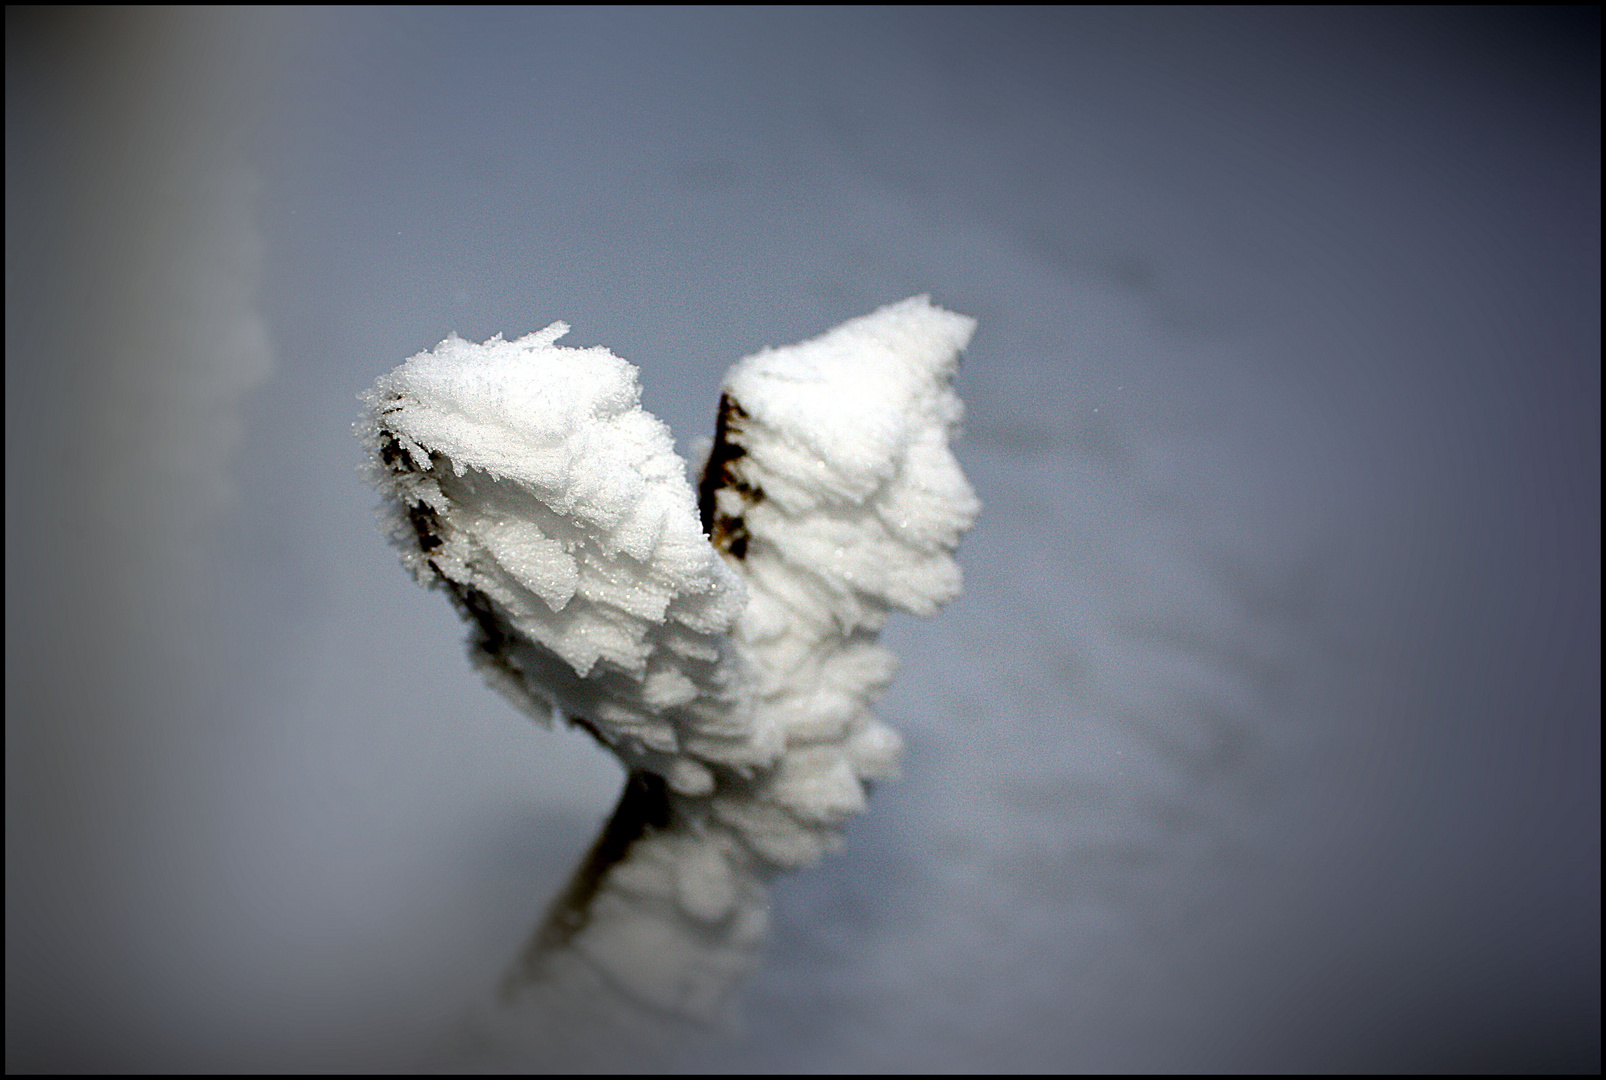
x=721, y=642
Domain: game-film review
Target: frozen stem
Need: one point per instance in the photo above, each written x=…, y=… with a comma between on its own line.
x=722, y=644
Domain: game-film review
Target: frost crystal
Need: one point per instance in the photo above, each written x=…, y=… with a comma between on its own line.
x=721, y=643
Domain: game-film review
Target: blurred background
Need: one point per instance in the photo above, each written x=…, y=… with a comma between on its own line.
x=1266, y=735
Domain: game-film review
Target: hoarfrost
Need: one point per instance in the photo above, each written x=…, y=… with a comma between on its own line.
x=722, y=642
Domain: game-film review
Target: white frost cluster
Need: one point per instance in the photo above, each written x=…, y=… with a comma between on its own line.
x=734, y=670
x=854, y=503
x=527, y=478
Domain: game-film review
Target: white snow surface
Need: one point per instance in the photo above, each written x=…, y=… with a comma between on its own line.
x=1265, y=736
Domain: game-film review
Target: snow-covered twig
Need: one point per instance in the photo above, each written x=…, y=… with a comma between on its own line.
x=721, y=642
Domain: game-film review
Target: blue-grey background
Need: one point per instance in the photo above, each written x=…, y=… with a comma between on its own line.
x=1266, y=735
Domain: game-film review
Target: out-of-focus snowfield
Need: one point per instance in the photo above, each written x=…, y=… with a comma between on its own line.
x=1265, y=736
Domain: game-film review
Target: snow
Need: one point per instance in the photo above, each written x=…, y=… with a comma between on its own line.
x=1263, y=737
